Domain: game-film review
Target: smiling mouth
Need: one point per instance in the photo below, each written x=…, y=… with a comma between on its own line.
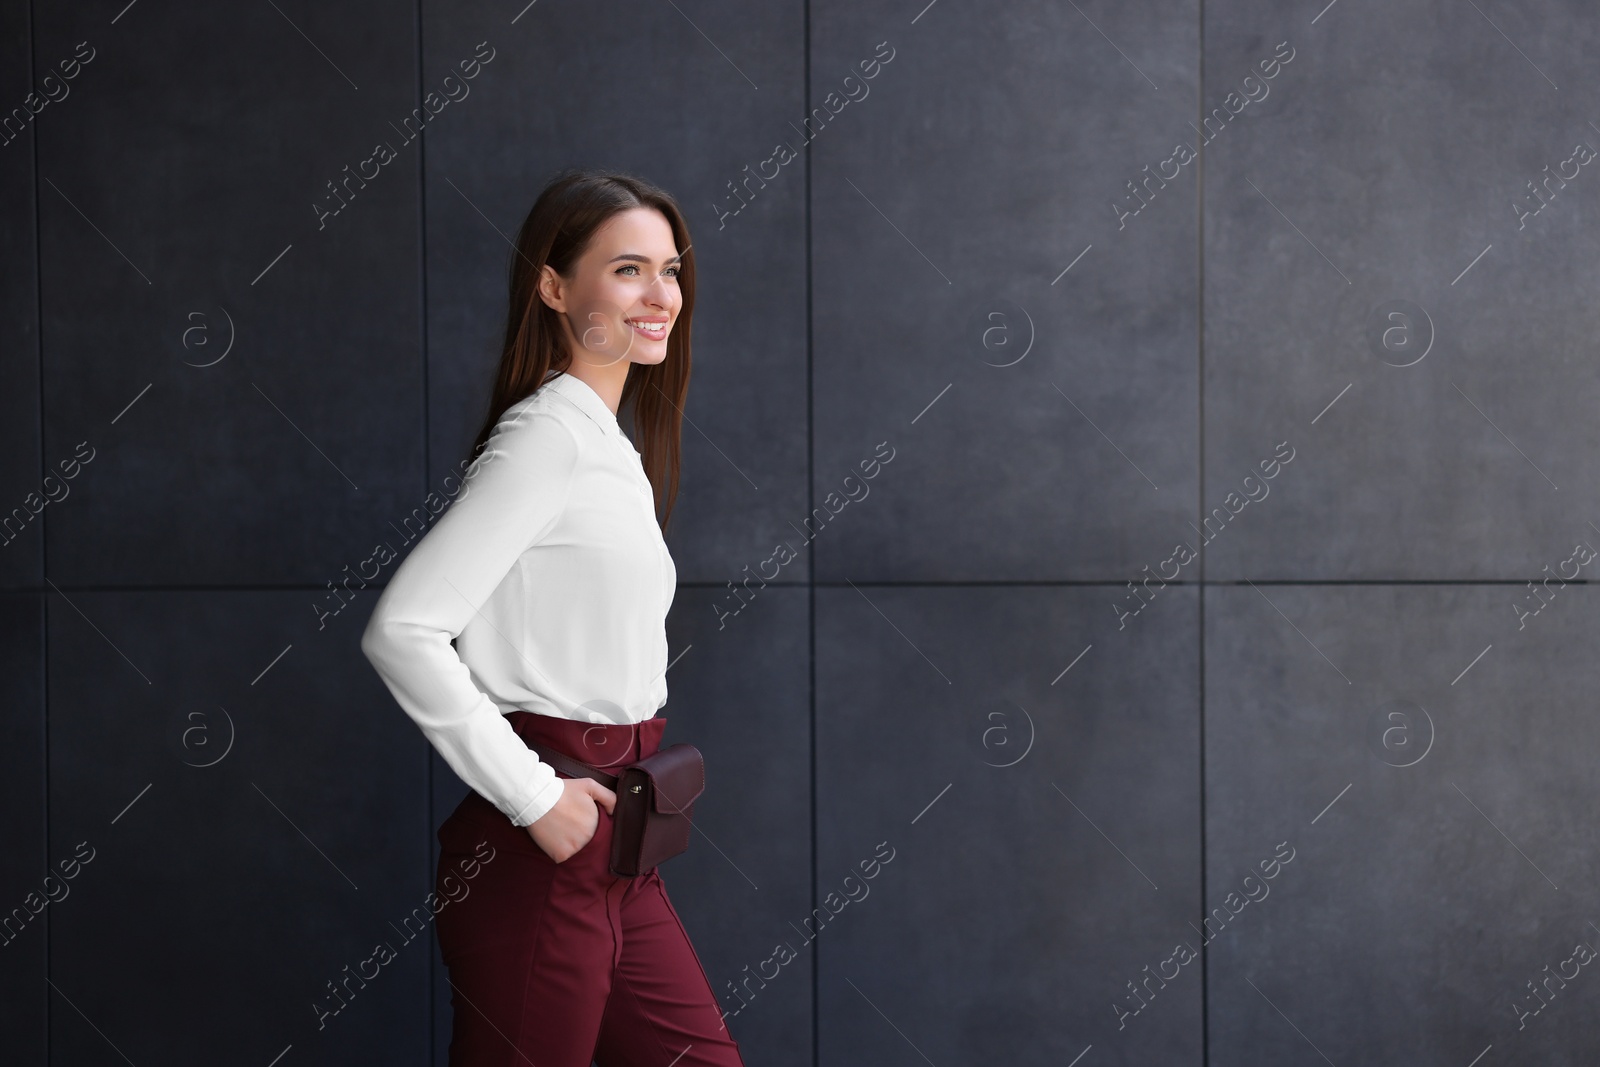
x=655, y=330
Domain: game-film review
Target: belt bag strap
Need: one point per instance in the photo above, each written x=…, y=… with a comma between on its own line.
x=563, y=762
x=655, y=803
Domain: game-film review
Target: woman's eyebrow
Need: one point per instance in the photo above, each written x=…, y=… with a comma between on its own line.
x=634, y=256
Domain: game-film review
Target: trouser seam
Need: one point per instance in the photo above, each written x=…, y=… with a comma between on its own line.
x=721, y=1024
x=655, y=1030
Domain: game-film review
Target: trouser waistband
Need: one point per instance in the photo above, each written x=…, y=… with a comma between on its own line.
x=608, y=746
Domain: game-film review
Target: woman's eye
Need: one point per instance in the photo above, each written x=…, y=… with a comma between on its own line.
x=633, y=270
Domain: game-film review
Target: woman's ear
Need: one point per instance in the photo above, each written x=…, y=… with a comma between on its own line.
x=552, y=289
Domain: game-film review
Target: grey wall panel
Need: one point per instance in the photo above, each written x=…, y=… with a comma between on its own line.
x=1006, y=925
x=29, y=896
x=946, y=211
x=180, y=209
x=227, y=886
x=565, y=89
x=1371, y=173
x=24, y=496
x=1432, y=805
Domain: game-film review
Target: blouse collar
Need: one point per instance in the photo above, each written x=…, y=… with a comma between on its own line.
x=582, y=394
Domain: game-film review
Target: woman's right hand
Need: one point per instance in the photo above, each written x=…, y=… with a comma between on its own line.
x=571, y=824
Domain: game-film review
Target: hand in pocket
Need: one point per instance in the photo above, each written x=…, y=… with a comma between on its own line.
x=565, y=829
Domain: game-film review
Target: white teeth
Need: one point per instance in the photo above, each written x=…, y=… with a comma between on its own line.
x=651, y=327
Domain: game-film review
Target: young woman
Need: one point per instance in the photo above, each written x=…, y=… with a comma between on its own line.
x=550, y=573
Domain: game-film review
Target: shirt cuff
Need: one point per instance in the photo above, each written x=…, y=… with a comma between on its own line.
x=531, y=810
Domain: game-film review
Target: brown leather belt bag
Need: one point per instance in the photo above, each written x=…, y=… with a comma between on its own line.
x=655, y=802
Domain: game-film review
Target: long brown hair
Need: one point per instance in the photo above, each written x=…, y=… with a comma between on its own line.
x=556, y=232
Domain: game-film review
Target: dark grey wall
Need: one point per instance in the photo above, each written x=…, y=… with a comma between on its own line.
x=1329, y=356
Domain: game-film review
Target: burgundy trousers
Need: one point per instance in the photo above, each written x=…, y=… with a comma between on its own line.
x=560, y=964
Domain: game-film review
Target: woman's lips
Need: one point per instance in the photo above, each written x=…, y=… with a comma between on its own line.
x=651, y=330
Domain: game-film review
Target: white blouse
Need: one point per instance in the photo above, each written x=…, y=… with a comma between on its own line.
x=551, y=573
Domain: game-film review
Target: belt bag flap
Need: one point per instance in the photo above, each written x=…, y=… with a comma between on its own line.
x=677, y=778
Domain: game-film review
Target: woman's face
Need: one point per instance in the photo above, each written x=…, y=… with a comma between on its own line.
x=622, y=297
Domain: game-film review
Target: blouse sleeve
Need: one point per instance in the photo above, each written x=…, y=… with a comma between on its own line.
x=513, y=494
